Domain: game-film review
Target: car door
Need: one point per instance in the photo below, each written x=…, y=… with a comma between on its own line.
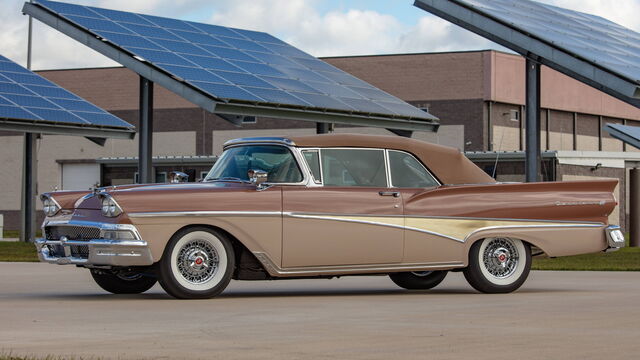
x=423, y=241
x=351, y=217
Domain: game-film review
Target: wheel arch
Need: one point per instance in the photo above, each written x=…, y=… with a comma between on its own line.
x=527, y=238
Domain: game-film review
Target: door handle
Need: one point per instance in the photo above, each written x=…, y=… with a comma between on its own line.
x=389, y=193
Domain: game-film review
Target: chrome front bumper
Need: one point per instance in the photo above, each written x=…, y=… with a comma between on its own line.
x=106, y=250
x=615, y=238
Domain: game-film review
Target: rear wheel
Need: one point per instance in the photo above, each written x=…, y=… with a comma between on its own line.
x=498, y=265
x=197, y=264
x=123, y=282
x=418, y=280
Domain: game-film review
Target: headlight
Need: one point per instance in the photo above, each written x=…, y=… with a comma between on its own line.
x=49, y=206
x=110, y=207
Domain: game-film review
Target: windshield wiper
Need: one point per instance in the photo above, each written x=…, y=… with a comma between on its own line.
x=228, y=178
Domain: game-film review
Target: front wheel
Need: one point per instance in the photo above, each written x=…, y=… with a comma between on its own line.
x=123, y=282
x=197, y=264
x=418, y=280
x=498, y=265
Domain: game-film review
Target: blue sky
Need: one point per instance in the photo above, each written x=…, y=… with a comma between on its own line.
x=320, y=27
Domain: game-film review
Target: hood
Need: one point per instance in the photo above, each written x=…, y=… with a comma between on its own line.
x=171, y=197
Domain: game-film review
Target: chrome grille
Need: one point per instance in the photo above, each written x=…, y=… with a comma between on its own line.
x=80, y=251
x=72, y=232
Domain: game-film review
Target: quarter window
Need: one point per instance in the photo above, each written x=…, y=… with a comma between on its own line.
x=313, y=161
x=407, y=172
x=353, y=167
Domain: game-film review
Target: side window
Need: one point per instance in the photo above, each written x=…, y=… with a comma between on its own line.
x=313, y=161
x=407, y=172
x=353, y=167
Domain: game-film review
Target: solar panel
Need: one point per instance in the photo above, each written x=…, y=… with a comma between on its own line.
x=33, y=100
x=235, y=65
x=589, y=48
x=625, y=133
x=592, y=37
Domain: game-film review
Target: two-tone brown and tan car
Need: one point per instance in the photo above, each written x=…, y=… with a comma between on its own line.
x=326, y=206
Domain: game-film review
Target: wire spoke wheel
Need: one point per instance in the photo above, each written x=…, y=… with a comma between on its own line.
x=197, y=263
x=498, y=265
x=500, y=258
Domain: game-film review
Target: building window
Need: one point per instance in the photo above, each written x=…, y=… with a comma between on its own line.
x=249, y=120
x=161, y=177
x=514, y=115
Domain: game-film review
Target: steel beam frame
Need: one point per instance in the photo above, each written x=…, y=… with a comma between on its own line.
x=145, y=132
x=29, y=188
x=532, y=137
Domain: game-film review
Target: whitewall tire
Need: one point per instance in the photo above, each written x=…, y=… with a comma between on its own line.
x=498, y=265
x=197, y=263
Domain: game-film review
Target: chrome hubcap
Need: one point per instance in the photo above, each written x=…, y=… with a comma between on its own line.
x=500, y=258
x=197, y=261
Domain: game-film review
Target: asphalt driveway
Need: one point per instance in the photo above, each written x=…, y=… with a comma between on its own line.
x=58, y=310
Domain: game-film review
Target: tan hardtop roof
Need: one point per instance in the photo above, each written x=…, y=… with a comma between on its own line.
x=448, y=164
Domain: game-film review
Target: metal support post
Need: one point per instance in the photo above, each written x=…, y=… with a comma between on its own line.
x=145, y=132
x=634, y=207
x=533, y=121
x=29, y=176
x=322, y=128
x=29, y=170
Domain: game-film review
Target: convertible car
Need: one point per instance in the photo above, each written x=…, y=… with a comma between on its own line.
x=326, y=206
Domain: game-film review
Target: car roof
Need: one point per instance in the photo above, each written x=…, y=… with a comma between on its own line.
x=448, y=164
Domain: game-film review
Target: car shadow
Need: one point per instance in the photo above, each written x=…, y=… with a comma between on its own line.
x=284, y=293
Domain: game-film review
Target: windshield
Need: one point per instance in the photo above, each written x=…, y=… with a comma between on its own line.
x=277, y=161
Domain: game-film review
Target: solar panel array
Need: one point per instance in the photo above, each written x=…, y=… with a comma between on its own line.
x=236, y=65
x=590, y=37
x=27, y=96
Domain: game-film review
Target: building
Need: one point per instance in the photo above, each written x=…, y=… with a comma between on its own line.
x=479, y=97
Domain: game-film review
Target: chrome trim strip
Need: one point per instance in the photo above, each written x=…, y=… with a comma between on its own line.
x=434, y=233
x=275, y=270
x=98, y=242
x=203, y=213
x=532, y=226
x=319, y=217
x=447, y=217
x=265, y=140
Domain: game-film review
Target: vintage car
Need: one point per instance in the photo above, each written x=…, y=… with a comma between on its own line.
x=326, y=206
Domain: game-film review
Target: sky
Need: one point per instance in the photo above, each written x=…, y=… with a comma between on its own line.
x=319, y=27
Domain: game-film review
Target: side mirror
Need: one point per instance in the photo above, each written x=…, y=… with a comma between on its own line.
x=257, y=177
x=178, y=177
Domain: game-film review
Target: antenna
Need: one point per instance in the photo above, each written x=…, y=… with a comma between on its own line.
x=495, y=165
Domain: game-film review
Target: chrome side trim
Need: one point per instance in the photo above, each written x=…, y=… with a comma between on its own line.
x=434, y=233
x=275, y=270
x=532, y=226
x=447, y=217
x=321, y=217
x=203, y=213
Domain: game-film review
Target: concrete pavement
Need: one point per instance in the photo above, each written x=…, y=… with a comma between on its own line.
x=58, y=310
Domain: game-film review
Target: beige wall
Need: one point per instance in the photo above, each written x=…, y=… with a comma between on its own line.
x=559, y=92
x=505, y=138
x=614, y=218
x=56, y=147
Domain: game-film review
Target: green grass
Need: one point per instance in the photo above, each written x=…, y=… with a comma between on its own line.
x=17, y=251
x=625, y=259
x=16, y=233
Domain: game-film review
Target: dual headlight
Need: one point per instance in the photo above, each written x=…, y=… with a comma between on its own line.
x=110, y=207
x=50, y=206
